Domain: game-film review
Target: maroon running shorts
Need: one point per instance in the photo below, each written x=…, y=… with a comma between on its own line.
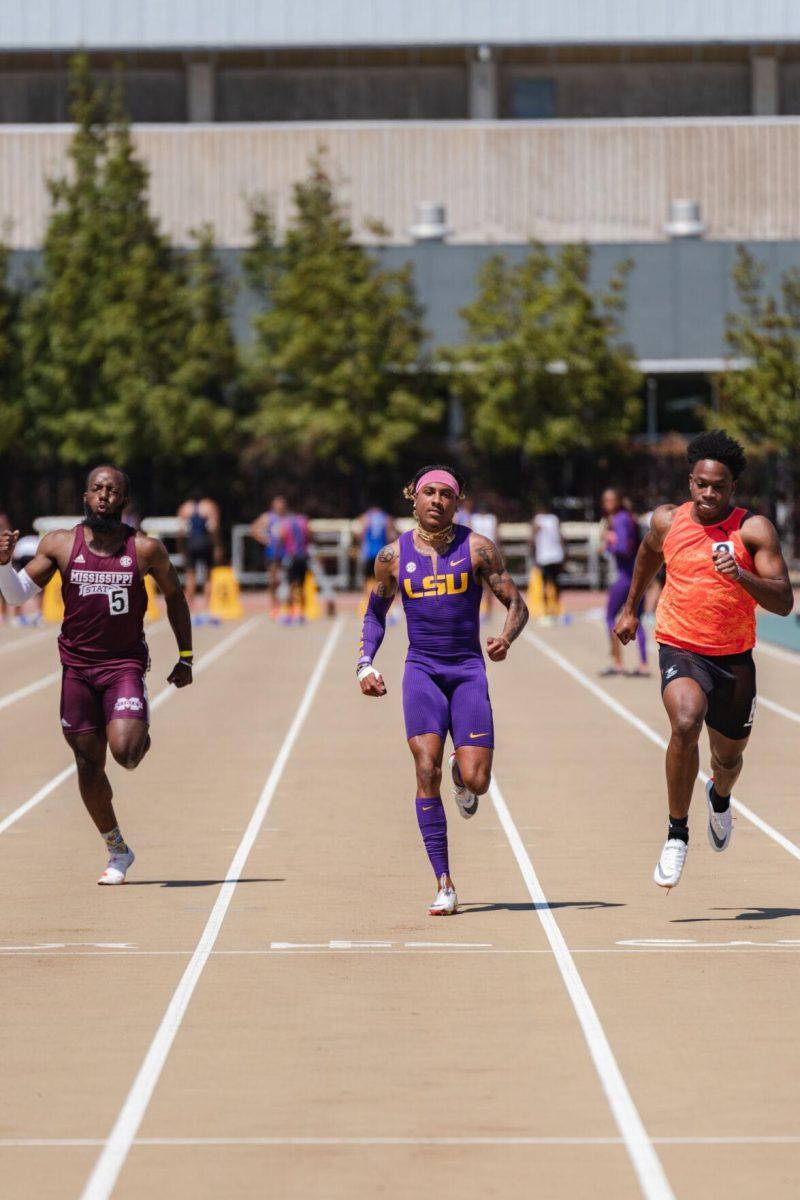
x=93, y=696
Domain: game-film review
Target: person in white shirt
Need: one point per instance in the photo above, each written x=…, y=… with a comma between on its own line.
x=548, y=553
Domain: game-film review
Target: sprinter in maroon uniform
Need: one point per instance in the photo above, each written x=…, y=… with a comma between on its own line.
x=103, y=651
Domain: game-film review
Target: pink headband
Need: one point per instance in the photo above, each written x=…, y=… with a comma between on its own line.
x=438, y=477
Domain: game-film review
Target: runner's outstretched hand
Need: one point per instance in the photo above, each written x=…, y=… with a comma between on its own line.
x=180, y=675
x=8, y=541
x=372, y=684
x=497, y=648
x=626, y=627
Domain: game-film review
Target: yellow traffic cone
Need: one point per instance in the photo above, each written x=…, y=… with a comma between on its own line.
x=536, y=605
x=311, y=597
x=52, y=604
x=225, y=601
x=552, y=603
x=153, y=611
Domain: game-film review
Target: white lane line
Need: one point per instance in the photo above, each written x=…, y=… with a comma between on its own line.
x=652, y=736
x=161, y=698
x=788, y=713
x=649, y=1171
x=25, y=640
x=30, y=689
x=789, y=1139
x=106, y=1171
x=773, y=652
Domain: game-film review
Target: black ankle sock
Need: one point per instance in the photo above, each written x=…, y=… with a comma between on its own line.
x=679, y=828
x=720, y=804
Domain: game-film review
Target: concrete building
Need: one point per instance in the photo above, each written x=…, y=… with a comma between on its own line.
x=312, y=60
x=663, y=130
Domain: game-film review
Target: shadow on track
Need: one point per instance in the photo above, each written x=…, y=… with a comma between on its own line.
x=477, y=906
x=185, y=883
x=747, y=914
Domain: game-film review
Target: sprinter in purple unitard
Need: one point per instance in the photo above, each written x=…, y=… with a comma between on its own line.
x=440, y=569
x=621, y=538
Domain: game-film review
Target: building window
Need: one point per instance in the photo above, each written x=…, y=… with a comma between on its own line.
x=533, y=99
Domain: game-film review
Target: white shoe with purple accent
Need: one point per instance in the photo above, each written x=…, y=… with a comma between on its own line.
x=446, y=902
x=467, y=801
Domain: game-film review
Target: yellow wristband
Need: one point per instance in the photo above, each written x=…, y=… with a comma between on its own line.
x=186, y=654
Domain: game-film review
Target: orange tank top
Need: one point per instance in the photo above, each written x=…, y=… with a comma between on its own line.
x=699, y=609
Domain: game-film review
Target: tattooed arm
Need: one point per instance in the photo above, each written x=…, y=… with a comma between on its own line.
x=374, y=626
x=488, y=565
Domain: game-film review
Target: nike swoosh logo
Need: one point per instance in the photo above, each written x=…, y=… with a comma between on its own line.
x=661, y=874
x=476, y=735
x=428, y=809
x=457, y=562
x=718, y=842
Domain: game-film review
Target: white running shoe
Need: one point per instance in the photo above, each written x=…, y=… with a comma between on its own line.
x=446, y=902
x=670, y=865
x=720, y=825
x=117, y=869
x=467, y=801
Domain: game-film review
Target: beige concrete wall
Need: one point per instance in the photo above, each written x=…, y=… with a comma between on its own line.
x=502, y=182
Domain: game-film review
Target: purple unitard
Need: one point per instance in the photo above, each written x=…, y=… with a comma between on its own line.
x=444, y=683
x=624, y=550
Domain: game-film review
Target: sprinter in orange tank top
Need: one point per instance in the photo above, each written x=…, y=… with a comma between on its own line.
x=722, y=562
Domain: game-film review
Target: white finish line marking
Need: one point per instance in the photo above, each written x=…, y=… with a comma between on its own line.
x=652, y=736
x=646, y=1163
x=106, y=1171
x=161, y=698
x=789, y=1139
x=348, y=945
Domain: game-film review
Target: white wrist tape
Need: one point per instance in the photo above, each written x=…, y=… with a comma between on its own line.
x=366, y=670
x=17, y=586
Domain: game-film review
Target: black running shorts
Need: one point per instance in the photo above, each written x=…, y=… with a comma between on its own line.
x=728, y=680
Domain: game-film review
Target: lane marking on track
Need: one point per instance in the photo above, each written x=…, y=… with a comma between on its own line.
x=652, y=736
x=30, y=689
x=106, y=1171
x=774, y=652
x=734, y=947
x=788, y=713
x=38, y=685
x=24, y=640
x=646, y=1163
x=789, y=1139
x=161, y=698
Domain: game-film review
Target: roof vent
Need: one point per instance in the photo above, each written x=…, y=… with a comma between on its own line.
x=684, y=220
x=430, y=222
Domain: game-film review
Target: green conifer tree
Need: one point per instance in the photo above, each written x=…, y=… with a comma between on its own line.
x=542, y=370
x=11, y=410
x=334, y=366
x=111, y=331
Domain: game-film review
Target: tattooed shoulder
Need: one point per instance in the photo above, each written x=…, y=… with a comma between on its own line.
x=387, y=554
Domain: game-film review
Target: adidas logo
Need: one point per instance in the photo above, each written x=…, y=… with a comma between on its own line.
x=80, y=558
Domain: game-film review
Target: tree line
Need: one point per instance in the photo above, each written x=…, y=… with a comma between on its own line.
x=120, y=346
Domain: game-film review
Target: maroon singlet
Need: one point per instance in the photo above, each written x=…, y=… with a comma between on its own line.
x=104, y=607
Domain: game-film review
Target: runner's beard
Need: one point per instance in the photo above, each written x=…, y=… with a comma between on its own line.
x=108, y=522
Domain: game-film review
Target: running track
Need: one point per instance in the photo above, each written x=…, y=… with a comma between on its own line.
x=304, y=1030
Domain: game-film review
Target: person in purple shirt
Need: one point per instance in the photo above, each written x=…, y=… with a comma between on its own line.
x=621, y=542
x=439, y=568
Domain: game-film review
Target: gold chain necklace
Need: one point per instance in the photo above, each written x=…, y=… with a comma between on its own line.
x=444, y=535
